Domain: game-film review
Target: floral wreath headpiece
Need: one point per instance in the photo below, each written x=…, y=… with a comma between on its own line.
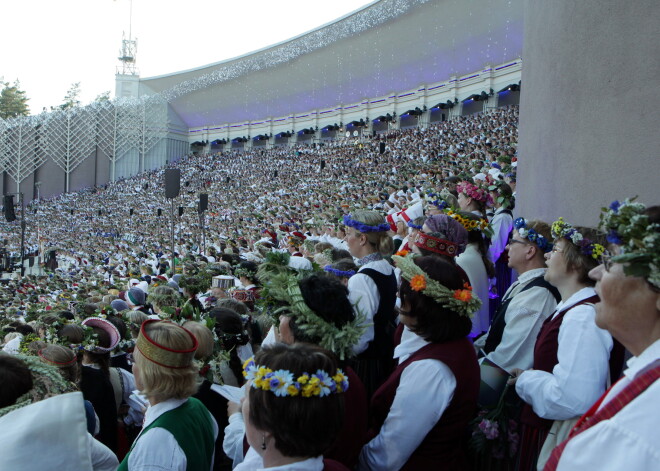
x=162, y=355
x=361, y=227
x=475, y=192
x=531, y=235
x=561, y=228
x=460, y=301
x=439, y=202
x=496, y=186
x=285, y=290
x=628, y=227
x=482, y=225
x=240, y=271
x=436, y=245
x=282, y=382
x=339, y=273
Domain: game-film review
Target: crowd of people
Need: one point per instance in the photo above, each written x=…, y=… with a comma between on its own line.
x=368, y=304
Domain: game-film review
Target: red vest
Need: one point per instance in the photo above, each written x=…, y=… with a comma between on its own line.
x=352, y=435
x=545, y=358
x=444, y=444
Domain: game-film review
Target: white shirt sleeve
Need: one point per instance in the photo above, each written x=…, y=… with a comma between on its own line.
x=129, y=384
x=425, y=390
x=103, y=459
x=580, y=376
x=365, y=298
x=157, y=450
x=524, y=317
x=501, y=225
x=629, y=440
x=232, y=444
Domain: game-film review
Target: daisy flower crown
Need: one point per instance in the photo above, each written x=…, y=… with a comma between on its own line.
x=283, y=383
x=361, y=227
x=531, y=235
x=460, y=301
x=561, y=228
x=628, y=227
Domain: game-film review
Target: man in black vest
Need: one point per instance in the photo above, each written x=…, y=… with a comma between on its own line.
x=510, y=340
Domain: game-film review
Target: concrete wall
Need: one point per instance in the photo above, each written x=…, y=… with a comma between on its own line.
x=590, y=107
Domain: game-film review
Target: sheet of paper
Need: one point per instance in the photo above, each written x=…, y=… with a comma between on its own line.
x=231, y=393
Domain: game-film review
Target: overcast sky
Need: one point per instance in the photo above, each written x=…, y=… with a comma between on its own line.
x=50, y=44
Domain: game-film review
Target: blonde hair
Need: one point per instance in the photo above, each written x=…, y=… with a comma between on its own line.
x=160, y=382
x=382, y=242
x=204, y=337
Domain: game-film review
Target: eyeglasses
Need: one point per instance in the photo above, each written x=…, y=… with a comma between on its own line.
x=516, y=241
x=607, y=261
x=555, y=249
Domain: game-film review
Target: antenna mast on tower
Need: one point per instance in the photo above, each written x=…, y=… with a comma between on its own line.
x=128, y=52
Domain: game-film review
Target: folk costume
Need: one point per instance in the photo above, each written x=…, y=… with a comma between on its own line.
x=571, y=370
x=178, y=434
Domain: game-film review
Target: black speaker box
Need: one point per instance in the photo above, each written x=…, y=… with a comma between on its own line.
x=203, y=202
x=172, y=182
x=9, y=208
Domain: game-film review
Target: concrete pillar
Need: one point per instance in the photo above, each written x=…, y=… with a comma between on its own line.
x=589, y=108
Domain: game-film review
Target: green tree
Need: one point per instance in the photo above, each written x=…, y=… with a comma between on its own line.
x=13, y=102
x=72, y=98
x=105, y=96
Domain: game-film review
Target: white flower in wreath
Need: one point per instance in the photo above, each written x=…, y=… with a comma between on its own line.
x=523, y=232
x=576, y=237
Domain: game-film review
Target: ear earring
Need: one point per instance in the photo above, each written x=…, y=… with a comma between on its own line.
x=263, y=442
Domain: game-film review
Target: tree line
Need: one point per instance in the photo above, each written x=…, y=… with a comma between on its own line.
x=14, y=100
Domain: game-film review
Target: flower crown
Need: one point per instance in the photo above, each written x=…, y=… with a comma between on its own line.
x=481, y=225
x=414, y=226
x=439, y=202
x=282, y=383
x=628, y=227
x=561, y=228
x=460, y=301
x=361, y=227
x=497, y=186
x=339, y=273
x=531, y=235
x=475, y=192
x=240, y=271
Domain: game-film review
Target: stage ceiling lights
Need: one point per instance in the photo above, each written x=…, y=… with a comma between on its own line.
x=512, y=87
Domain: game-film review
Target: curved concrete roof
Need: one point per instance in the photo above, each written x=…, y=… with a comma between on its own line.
x=389, y=45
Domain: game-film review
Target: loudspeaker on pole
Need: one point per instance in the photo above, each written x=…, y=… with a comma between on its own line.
x=172, y=182
x=10, y=215
x=203, y=202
